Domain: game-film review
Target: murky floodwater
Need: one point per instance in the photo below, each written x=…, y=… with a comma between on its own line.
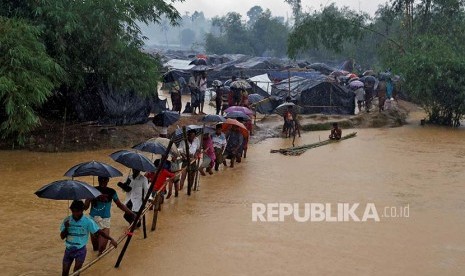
x=211, y=232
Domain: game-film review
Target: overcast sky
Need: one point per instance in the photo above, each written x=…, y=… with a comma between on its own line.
x=277, y=7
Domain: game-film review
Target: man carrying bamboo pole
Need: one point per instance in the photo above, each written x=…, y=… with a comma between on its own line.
x=194, y=152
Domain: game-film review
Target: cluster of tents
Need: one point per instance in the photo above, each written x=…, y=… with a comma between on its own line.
x=311, y=86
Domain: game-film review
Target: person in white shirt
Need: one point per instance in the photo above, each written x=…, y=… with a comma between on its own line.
x=219, y=143
x=360, y=96
x=136, y=187
x=203, y=90
x=194, y=153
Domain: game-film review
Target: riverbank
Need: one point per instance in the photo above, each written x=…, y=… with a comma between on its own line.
x=56, y=136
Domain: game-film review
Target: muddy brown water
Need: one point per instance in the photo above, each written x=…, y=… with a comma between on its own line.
x=212, y=233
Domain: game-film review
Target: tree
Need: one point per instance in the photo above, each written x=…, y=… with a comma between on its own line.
x=296, y=9
x=27, y=77
x=102, y=38
x=187, y=37
x=253, y=14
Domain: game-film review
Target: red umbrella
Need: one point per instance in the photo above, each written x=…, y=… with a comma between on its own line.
x=229, y=123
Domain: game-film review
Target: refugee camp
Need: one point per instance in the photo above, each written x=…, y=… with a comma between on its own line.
x=284, y=137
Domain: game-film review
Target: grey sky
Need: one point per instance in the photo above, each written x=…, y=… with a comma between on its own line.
x=277, y=7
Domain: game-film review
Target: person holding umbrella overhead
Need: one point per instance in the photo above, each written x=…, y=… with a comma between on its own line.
x=233, y=148
x=101, y=212
x=136, y=186
x=194, y=152
x=75, y=231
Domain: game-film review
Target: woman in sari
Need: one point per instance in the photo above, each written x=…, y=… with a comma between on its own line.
x=208, y=150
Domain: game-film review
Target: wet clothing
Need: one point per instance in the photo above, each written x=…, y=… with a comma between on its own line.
x=234, y=146
x=202, y=89
x=164, y=175
x=101, y=206
x=139, y=186
x=218, y=100
x=78, y=231
x=193, y=147
x=360, y=94
x=209, y=150
x=79, y=255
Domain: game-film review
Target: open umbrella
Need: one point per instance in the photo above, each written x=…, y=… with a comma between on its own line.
x=281, y=109
x=133, y=160
x=178, y=135
x=68, y=190
x=240, y=84
x=165, y=142
x=212, y=118
x=199, y=61
x=356, y=84
x=93, y=168
x=237, y=115
x=242, y=109
x=255, y=98
x=152, y=147
x=229, y=123
x=166, y=118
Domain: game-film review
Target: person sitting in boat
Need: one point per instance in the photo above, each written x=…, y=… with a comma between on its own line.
x=336, y=132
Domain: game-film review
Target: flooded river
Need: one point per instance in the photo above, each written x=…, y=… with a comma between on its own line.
x=212, y=232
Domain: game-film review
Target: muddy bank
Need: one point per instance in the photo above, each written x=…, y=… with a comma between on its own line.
x=271, y=126
x=55, y=136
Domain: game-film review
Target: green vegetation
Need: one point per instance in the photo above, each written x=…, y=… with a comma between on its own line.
x=101, y=38
x=261, y=35
x=423, y=42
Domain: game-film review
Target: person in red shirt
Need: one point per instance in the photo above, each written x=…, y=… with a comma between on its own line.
x=164, y=175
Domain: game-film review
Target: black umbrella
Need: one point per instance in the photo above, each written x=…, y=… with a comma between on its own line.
x=68, y=190
x=133, y=160
x=255, y=98
x=166, y=118
x=237, y=115
x=199, y=61
x=152, y=147
x=281, y=109
x=93, y=168
x=212, y=118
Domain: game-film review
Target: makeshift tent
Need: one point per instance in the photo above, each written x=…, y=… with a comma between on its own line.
x=282, y=75
x=178, y=64
x=323, y=68
x=318, y=95
x=261, y=84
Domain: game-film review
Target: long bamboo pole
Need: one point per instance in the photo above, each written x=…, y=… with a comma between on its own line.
x=147, y=196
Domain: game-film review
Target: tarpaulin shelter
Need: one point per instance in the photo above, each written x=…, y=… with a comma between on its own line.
x=261, y=84
x=178, y=64
x=318, y=95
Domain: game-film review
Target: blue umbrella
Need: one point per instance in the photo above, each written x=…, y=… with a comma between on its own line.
x=212, y=118
x=93, y=168
x=237, y=115
x=166, y=118
x=255, y=98
x=152, y=147
x=133, y=160
x=68, y=190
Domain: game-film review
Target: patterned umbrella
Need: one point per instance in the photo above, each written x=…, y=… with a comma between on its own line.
x=240, y=84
